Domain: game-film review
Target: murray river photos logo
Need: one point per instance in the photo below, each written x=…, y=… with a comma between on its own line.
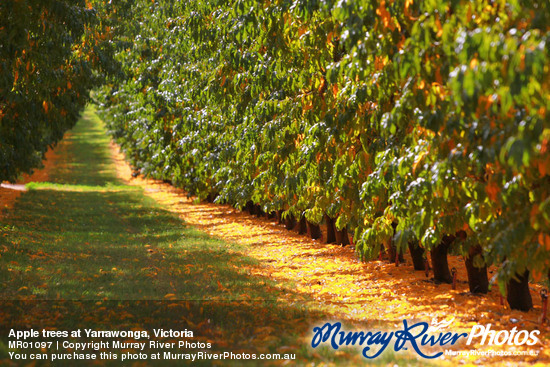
x=418, y=336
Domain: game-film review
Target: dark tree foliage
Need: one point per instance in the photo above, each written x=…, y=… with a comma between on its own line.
x=50, y=52
x=428, y=115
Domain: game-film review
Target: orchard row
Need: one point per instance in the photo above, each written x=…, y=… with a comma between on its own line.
x=50, y=55
x=417, y=126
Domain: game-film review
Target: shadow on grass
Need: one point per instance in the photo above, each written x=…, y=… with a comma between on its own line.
x=117, y=245
x=115, y=261
x=86, y=252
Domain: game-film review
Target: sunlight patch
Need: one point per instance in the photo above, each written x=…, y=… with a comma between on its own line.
x=78, y=188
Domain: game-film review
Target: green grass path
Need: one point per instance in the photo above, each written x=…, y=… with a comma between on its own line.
x=87, y=251
x=86, y=236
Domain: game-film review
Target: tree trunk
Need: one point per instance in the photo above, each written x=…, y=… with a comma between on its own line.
x=439, y=260
x=417, y=255
x=302, y=228
x=290, y=222
x=258, y=210
x=331, y=236
x=313, y=230
x=519, y=297
x=249, y=207
x=211, y=197
x=392, y=252
x=270, y=215
x=341, y=236
x=381, y=253
x=477, y=277
x=392, y=249
x=280, y=216
x=350, y=238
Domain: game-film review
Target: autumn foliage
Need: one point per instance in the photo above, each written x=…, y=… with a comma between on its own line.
x=48, y=61
x=410, y=124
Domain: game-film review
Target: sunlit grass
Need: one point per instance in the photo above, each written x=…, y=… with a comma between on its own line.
x=87, y=251
x=80, y=188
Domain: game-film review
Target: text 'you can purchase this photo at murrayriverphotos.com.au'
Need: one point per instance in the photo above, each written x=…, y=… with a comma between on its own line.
x=114, y=345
